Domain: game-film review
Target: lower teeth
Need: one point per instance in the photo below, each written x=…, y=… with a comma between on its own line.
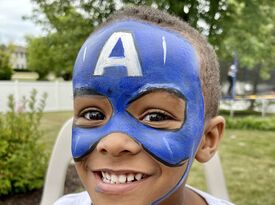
x=112, y=182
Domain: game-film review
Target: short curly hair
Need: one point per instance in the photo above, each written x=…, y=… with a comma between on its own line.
x=209, y=66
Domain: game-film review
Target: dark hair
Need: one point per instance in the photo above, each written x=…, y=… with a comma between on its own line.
x=209, y=66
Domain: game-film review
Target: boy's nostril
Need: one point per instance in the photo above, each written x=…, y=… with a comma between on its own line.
x=117, y=144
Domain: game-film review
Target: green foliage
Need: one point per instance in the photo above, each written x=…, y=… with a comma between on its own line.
x=243, y=26
x=68, y=24
x=251, y=123
x=23, y=161
x=250, y=32
x=39, y=57
x=207, y=16
x=5, y=67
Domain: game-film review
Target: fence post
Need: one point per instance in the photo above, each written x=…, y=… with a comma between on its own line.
x=16, y=94
x=56, y=95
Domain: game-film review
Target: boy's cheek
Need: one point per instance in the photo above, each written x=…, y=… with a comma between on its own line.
x=82, y=173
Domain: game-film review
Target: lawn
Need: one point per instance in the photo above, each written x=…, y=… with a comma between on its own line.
x=248, y=160
x=51, y=124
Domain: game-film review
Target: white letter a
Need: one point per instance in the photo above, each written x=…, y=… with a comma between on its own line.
x=130, y=59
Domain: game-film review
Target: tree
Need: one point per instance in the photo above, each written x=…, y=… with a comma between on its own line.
x=5, y=67
x=39, y=56
x=68, y=24
x=206, y=15
x=230, y=25
x=252, y=34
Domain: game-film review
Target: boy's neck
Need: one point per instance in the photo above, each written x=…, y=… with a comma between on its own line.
x=192, y=198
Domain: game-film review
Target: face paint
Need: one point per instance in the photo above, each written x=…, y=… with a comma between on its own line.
x=127, y=59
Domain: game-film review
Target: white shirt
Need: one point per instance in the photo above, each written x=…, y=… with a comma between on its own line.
x=211, y=200
x=232, y=71
x=83, y=198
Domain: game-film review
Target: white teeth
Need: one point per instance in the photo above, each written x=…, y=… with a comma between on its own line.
x=114, y=178
x=138, y=176
x=130, y=177
x=106, y=180
x=122, y=179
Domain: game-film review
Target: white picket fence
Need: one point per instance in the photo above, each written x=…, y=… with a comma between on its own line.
x=60, y=96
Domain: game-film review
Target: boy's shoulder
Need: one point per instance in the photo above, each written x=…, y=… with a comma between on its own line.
x=81, y=198
x=211, y=200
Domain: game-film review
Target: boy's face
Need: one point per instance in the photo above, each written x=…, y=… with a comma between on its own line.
x=138, y=112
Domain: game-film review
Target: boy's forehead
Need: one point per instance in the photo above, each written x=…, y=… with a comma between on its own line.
x=136, y=52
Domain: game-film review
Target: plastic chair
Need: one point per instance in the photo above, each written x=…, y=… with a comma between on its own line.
x=61, y=158
x=214, y=178
x=58, y=164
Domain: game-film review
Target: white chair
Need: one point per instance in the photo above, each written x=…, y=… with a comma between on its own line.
x=61, y=158
x=58, y=164
x=214, y=178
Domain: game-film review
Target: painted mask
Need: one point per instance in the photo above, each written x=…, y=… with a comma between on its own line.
x=126, y=59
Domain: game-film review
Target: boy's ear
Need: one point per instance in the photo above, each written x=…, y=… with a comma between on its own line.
x=213, y=132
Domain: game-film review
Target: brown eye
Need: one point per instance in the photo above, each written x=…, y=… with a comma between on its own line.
x=158, y=109
x=93, y=115
x=156, y=117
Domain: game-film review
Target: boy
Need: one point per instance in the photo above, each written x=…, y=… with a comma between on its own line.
x=146, y=92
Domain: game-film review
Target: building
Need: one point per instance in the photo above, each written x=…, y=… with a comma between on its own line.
x=18, y=62
x=18, y=59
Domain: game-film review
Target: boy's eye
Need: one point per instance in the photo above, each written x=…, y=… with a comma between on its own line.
x=156, y=117
x=93, y=115
x=91, y=111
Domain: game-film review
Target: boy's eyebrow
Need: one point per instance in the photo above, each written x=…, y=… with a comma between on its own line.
x=154, y=89
x=84, y=91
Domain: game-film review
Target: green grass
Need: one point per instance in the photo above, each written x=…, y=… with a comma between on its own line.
x=248, y=160
x=51, y=124
x=249, y=167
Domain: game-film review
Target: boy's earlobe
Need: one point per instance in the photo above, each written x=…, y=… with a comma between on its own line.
x=213, y=133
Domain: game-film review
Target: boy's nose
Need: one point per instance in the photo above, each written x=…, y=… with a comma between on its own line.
x=118, y=144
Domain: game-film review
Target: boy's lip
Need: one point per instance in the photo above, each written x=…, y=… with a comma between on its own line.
x=118, y=188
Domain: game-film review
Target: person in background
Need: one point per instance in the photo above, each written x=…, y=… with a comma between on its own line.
x=231, y=78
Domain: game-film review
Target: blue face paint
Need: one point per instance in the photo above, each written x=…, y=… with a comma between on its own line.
x=126, y=59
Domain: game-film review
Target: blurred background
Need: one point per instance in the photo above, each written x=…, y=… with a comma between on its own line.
x=39, y=41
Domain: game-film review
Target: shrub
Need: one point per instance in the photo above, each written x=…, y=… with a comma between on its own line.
x=23, y=160
x=5, y=67
x=251, y=123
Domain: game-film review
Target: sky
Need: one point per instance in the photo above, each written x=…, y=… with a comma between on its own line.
x=13, y=28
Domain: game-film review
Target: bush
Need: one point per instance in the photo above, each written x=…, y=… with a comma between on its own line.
x=251, y=123
x=5, y=67
x=23, y=160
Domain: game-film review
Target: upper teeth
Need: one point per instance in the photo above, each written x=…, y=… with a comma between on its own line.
x=121, y=178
